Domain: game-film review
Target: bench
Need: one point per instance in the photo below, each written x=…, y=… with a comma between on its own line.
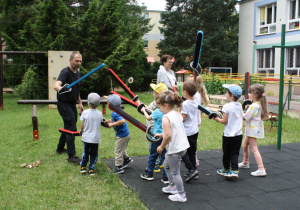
x=8, y=90
x=273, y=109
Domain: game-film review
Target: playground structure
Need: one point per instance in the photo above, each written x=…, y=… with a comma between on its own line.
x=103, y=101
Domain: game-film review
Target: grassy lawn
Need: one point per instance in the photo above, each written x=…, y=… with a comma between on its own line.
x=58, y=184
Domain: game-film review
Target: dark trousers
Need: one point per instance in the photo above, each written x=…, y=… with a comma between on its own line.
x=189, y=158
x=153, y=156
x=89, y=151
x=69, y=114
x=231, y=150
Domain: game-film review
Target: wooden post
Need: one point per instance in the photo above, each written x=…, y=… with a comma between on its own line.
x=1, y=80
x=103, y=109
x=35, y=123
x=247, y=84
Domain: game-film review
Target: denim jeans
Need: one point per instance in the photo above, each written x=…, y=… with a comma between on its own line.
x=153, y=156
x=90, y=151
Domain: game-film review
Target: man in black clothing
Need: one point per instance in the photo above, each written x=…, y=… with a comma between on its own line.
x=66, y=105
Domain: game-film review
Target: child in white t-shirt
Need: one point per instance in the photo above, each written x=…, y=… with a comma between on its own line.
x=90, y=128
x=175, y=141
x=232, y=136
x=190, y=117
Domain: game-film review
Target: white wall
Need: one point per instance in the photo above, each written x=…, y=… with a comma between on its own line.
x=249, y=42
x=245, y=37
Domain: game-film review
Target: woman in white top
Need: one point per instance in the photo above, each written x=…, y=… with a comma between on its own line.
x=165, y=74
x=175, y=141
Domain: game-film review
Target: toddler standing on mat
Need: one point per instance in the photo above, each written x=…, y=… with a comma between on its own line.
x=254, y=128
x=175, y=141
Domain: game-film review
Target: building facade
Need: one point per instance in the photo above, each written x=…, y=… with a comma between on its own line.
x=153, y=37
x=260, y=27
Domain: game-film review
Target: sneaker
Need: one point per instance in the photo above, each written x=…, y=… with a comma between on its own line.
x=195, y=178
x=165, y=180
x=74, y=159
x=232, y=175
x=156, y=169
x=222, y=171
x=147, y=176
x=83, y=170
x=259, y=173
x=170, y=189
x=126, y=162
x=118, y=170
x=62, y=151
x=197, y=162
x=191, y=175
x=91, y=172
x=242, y=165
x=177, y=197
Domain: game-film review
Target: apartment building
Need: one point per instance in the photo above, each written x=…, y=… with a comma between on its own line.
x=260, y=26
x=153, y=37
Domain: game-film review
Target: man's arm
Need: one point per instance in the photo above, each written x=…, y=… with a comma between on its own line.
x=80, y=104
x=57, y=85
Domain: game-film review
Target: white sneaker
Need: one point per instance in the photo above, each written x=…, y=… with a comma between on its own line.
x=170, y=189
x=242, y=165
x=259, y=173
x=177, y=197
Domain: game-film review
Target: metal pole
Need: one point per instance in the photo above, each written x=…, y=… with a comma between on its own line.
x=289, y=93
x=1, y=81
x=213, y=82
x=281, y=87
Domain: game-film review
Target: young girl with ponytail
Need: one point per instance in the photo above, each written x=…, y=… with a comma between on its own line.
x=254, y=128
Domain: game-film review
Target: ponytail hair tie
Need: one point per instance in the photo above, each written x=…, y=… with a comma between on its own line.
x=263, y=95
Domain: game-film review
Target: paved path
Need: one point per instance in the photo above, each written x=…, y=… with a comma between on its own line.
x=280, y=189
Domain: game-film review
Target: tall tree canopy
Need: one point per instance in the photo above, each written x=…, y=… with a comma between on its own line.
x=107, y=31
x=217, y=19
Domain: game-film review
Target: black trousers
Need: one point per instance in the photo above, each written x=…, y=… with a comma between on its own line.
x=231, y=150
x=189, y=158
x=69, y=114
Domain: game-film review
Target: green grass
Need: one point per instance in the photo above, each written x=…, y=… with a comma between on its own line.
x=58, y=184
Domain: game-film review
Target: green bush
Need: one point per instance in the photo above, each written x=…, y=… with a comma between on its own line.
x=29, y=83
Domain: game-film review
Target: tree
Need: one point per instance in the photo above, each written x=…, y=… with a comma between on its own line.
x=14, y=15
x=129, y=58
x=217, y=19
x=107, y=31
x=115, y=39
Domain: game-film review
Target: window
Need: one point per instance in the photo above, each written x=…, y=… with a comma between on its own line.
x=267, y=19
x=146, y=15
x=146, y=43
x=293, y=61
x=265, y=61
x=294, y=14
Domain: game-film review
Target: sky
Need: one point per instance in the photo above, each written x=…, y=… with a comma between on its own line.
x=159, y=4
x=153, y=4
